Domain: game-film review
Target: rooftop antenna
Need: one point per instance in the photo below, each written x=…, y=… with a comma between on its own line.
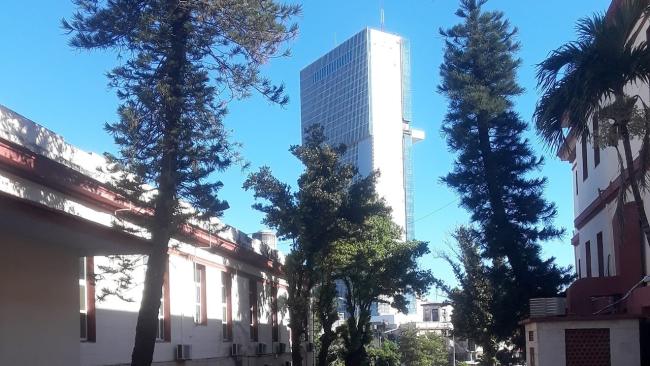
x=381, y=16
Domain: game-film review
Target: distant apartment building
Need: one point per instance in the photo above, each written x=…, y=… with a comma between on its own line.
x=605, y=317
x=224, y=295
x=360, y=93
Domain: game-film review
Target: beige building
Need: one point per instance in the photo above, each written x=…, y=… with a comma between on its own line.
x=224, y=295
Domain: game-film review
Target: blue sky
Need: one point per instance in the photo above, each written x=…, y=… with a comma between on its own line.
x=65, y=90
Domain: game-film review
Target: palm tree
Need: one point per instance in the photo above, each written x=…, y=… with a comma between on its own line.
x=587, y=78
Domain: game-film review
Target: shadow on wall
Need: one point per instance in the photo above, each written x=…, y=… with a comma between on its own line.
x=115, y=332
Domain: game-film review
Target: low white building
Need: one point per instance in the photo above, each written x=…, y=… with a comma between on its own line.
x=223, y=299
x=605, y=317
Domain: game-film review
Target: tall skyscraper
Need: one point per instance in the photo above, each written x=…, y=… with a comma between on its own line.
x=360, y=92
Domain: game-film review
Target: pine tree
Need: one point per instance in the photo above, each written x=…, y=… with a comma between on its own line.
x=329, y=205
x=494, y=163
x=472, y=298
x=181, y=62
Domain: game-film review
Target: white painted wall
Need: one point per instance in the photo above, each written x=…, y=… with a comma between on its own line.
x=39, y=305
x=116, y=319
x=549, y=341
x=385, y=94
x=599, y=178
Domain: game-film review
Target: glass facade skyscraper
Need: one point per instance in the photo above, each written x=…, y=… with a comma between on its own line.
x=360, y=93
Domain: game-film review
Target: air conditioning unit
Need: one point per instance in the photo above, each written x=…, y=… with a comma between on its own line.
x=310, y=347
x=281, y=348
x=235, y=349
x=261, y=348
x=183, y=352
x=547, y=306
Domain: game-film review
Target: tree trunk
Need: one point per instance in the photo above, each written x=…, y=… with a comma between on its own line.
x=326, y=309
x=358, y=357
x=632, y=181
x=489, y=354
x=296, y=334
x=145, y=332
x=166, y=200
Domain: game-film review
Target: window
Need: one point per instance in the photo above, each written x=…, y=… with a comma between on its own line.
x=588, y=258
x=200, y=311
x=226, y=306
x=532, y=356
x=595, y=142
x=599, y=252
x=163, y=333
x=435, y=315
x=579, y=268
x=275, y=332
x=585, y=163
x=83, y=302
x=87, y=299
x=160, y=332
x=427, y=315
x=531, y=336
x=252, y=301
x=576, y=176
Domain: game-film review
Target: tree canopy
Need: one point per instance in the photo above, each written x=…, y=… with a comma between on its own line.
x=328, y=205
x=429, y=349
x=180, y=63
x=376, y=267
x=493, y=172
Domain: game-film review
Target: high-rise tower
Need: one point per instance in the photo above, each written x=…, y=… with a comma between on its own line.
x=360, y=93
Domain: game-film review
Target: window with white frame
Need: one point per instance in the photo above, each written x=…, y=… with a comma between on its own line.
x=226, y=317
x=160, y=334
x=435, y=315
x=199, y=295
x=253, y=309
x=83, y=299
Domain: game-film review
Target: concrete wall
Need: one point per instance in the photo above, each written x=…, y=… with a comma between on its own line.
x=386, y=119
x=39, y=305
x=116, y=318
x=599, y=178
x=549, y=341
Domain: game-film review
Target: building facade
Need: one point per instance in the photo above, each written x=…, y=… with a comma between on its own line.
x=606, y=317
x=224, y=297
x=359, y=92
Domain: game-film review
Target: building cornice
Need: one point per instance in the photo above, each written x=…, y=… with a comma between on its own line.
x=22, y=162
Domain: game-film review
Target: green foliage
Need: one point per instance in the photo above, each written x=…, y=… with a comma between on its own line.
x=385, y=355
x=328, y=206
x=577, y=76
x=585, y=80
x=376, y=266
x=423, y=350
x=181, y=62
x=473, y=298
x=494, y=163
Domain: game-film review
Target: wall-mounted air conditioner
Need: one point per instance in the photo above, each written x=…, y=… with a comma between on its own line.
x=183, y=352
